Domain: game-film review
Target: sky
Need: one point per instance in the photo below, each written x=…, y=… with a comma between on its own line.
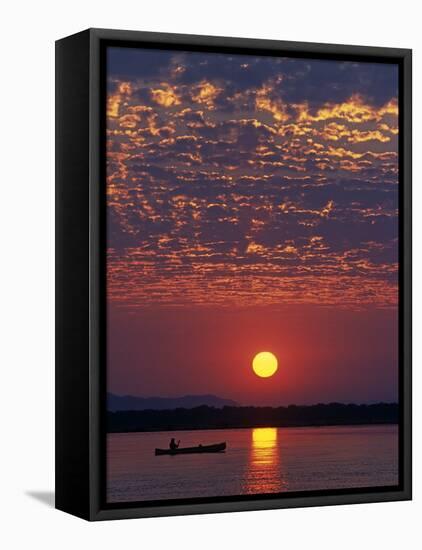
x=252, y=206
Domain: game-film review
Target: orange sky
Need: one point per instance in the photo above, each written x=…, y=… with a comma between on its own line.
x=252, y=204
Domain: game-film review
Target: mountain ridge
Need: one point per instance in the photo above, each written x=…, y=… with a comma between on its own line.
x=137, y=403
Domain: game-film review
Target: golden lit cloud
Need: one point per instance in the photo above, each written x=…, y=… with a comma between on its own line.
x=357, y=136
x=205, y=93
x=124, y=90
x=165, y=96
x=263, y=102
x=355, y=109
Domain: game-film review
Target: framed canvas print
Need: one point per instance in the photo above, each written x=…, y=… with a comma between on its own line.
x=233, y=274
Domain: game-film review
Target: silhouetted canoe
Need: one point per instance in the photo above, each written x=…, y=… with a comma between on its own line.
x=216, y=448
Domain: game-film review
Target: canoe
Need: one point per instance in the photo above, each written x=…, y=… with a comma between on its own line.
x=216, y=448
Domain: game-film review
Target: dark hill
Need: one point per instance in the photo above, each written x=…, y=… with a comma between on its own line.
x=132, y=403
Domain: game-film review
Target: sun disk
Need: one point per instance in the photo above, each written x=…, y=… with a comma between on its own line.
x=265, y=364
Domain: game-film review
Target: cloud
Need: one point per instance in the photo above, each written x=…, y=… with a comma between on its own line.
x=165, y=96
x=251, y=180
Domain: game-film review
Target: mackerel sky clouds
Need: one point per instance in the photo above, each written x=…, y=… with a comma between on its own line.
x=251, y=181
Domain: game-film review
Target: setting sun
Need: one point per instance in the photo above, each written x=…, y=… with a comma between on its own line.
x=265, y=364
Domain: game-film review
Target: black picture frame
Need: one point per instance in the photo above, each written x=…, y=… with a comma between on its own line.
x=80, y=272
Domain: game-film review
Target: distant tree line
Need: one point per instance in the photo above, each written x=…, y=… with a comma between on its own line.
x=204, y=417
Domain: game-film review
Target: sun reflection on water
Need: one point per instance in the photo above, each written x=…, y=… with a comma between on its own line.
x=263, y=438
x=264, y=473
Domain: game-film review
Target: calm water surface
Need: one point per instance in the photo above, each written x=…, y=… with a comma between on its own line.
x=258, y=460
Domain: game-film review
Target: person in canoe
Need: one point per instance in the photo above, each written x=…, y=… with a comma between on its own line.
x=173, y=445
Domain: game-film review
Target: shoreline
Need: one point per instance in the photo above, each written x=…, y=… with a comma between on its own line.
x=285, y=426
x=204, y=417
